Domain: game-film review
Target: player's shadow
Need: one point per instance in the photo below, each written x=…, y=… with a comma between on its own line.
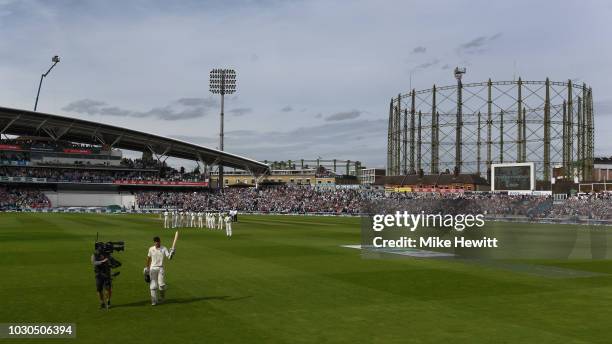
x=182, y=300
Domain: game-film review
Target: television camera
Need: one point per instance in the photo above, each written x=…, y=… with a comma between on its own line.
x=106, y=249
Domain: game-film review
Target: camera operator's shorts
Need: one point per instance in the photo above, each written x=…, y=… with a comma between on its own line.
x=102, y=282
x=158, y=279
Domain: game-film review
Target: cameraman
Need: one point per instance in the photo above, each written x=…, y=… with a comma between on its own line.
x=102, y=269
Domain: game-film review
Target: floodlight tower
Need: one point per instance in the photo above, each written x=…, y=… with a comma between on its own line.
x=55, y=59
x=458, y=138
x=222, y=81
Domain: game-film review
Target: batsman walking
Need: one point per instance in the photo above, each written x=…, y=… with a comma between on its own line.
x=154, y=270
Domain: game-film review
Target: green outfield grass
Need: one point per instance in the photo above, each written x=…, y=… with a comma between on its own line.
x=287, y=279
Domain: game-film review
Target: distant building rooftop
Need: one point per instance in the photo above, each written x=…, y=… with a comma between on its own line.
x=432, y=179
x=602, y=160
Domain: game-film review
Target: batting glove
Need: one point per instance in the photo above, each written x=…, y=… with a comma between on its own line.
x=147, y=276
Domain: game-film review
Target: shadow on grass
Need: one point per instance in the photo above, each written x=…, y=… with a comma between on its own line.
x=182, y=300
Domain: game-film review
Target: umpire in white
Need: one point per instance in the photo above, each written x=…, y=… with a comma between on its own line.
x=155, y=270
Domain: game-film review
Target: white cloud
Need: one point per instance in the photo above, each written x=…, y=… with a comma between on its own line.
x=140, y=59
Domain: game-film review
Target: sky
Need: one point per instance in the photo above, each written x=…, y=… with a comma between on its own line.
x=314, y=78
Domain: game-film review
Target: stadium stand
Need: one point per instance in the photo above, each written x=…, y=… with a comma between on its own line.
x=85, y=174
x=305, y=199
x=293, y=199
x=57, y=130
x=279, y=199
x=16, y=198
x=80, y=163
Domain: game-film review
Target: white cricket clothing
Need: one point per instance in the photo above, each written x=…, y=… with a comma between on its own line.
x=157, y=256
x=228, y=226
x=158, y=278
x=166, y=220
x=220, y=222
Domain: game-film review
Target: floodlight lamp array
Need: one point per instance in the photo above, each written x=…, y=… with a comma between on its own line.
x=222, y=81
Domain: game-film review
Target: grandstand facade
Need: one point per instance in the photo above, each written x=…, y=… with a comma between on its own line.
x=307, y=177
x=81, y=163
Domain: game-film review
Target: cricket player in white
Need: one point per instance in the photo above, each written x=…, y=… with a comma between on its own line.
x=193, y=220
x=228, y=225
x=220, y=222
x=166, y=219
x=200, y=220
x=155, y=268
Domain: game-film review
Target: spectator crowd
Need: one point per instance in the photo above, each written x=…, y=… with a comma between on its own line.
x=596, y=206
x=15, y=198
x=50, y=145
x=305, y=199
x=282, y=199
x=73, y=175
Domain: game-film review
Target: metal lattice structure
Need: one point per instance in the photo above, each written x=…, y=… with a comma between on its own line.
x=465, y=128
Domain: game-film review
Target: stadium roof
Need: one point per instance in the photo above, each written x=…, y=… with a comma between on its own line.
x=24, y=122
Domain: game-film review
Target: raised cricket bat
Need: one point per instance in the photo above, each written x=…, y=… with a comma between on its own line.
x=175, y=239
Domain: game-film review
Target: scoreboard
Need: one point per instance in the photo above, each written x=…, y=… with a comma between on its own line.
x=513, y=177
